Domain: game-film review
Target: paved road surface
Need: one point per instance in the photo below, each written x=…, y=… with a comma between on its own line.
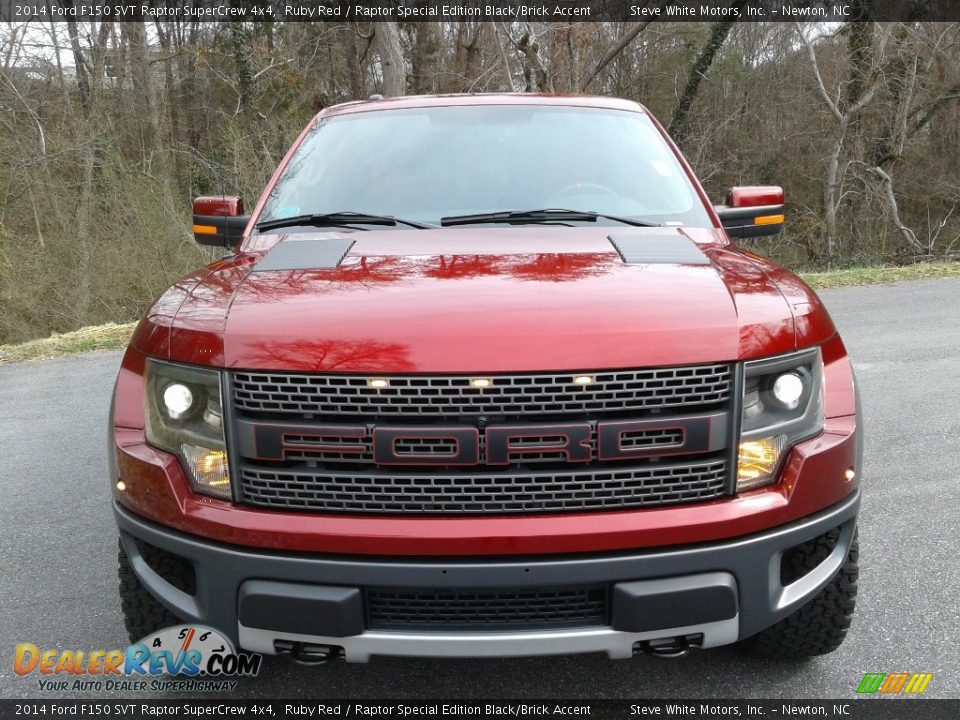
x=57, y=546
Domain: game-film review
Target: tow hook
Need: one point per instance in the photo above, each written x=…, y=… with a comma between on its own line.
x=671, y=648
x=308, y=653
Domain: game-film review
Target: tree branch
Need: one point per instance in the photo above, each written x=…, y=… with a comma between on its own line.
x=617, y=48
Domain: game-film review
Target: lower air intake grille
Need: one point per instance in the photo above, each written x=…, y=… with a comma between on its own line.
x=508, y=492
x=544, y=608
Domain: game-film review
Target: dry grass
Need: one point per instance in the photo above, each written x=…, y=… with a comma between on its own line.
x=114, y=337
x=102, y=337
x=881, y=275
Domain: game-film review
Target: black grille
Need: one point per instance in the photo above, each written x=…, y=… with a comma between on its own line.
x=315, y=475
x=590, y=488
x=508, y=395
x=390, y=608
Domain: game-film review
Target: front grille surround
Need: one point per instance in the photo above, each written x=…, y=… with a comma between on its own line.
x=331, y=482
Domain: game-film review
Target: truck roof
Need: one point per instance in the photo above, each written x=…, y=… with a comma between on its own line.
x=416, y=101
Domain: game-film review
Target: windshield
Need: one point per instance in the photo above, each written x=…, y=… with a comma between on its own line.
x=424, y=164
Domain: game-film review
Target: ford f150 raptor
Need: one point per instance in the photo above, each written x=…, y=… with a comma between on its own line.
x=486, y=375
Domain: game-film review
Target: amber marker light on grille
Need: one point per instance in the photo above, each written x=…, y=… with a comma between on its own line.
x=205, y=229
x=378, y=383
x=757, y=462
x=768, y=219
x=209, y=468
x=583, y=380
x=480, y=382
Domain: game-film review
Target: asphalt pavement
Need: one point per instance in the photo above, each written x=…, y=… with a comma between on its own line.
x=58, y=540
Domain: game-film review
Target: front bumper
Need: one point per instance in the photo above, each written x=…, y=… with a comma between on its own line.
x=722, y=591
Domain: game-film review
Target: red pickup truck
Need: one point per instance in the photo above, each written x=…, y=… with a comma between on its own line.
x=486, y=375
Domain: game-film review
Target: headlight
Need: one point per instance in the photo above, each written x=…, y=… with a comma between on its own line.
x=185, y=417
x=782, y=405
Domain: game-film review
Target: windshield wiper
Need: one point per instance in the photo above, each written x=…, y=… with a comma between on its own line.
x=338, y=218
x=545, y=215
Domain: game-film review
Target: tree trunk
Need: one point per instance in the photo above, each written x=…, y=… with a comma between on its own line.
x=142, y=73
x=392, y=65
x=504, y=61
x=424, y=59
x=83, y=81
x=468, y=53
x=831, y=195
x=348, y=33
x=173, y=103
x=533, y=70
x=240, y=40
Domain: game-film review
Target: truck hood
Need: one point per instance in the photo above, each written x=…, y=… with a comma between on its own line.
x=532, y=298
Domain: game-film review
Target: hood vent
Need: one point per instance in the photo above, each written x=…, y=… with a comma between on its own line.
x=658, y=249
x=305, y=255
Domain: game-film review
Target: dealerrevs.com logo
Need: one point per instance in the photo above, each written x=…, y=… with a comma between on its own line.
x=205, y=658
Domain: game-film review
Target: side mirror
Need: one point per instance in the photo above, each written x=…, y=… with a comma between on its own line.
x=752, y=211
x=218, y=221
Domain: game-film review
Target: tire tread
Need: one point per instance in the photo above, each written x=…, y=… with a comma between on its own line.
x=820, y=626
x=143, y=614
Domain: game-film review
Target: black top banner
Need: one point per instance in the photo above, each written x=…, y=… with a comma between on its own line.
x=482, y=10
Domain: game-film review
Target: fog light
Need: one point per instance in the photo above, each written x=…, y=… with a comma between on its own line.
x=788, y=389
x=757, y=462
x=178, y=399
x=208, y=469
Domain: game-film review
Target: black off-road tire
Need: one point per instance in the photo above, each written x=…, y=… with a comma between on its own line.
x=143, y=614
x=820, y=626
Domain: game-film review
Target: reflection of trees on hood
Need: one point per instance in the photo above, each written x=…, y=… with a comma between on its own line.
x=377, y=271
x=332, y=355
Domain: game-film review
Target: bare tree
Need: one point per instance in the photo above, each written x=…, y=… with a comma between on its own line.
x=844, y=113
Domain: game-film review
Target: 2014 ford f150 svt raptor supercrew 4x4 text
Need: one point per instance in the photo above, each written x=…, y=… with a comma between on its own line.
x=487, y=376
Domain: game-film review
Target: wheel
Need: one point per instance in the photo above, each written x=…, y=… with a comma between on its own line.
x=820, y=626
x=143, y=614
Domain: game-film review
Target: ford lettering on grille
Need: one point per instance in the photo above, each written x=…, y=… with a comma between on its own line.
x=494, y=445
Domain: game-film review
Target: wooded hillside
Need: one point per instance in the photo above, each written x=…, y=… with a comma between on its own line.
x=108, y=130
